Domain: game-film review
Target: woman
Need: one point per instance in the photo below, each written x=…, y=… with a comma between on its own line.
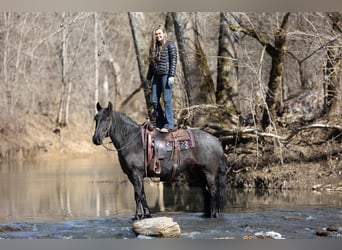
x=160, y=76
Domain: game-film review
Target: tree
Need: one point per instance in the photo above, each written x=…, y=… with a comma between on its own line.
x=197, y=76
x=62, y=119
x=9, y=90
x=227, y=70
x=277, y=53
x=66, y=68
x=96, y=61
x=332, y=70
x=141, y=49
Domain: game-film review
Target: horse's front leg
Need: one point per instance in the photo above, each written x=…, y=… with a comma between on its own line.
x=147, y=213
x=140, y=197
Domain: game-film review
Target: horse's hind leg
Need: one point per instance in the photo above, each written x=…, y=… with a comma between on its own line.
x=215, y=189
x=209, y=192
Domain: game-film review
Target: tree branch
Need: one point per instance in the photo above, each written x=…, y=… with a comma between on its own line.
x=128, y=98
x=223, y=133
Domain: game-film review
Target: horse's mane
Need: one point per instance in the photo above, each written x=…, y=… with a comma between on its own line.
x=126, y=119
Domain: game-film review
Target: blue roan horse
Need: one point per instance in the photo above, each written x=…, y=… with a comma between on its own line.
x=206, y=158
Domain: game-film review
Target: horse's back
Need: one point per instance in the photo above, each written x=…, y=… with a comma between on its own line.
x=207, y=152
x=207, y=142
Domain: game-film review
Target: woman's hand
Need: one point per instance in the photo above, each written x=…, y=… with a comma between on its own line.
x=170, y=81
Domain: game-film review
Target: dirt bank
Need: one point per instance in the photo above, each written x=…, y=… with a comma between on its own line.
x=307, y=176
x=33, y=139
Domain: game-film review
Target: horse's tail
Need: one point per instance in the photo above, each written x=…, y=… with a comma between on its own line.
x=221, y=184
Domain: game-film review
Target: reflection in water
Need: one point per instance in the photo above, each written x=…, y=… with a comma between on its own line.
x=83, y=189
x=60, y=190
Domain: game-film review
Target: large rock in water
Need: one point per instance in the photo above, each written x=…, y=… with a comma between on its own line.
x=159, y=226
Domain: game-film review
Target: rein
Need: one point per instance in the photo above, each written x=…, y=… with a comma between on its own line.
x=129, y=143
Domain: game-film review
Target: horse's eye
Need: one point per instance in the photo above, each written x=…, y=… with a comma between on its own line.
x=95, y=117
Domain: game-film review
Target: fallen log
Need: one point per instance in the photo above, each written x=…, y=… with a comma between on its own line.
x=224, y=133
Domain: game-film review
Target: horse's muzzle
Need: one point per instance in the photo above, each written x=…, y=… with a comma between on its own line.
x=97, y=140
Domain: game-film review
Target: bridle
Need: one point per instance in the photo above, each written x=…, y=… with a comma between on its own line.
x=127, y=145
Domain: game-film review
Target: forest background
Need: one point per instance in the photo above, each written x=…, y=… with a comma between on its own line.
x=268, y=85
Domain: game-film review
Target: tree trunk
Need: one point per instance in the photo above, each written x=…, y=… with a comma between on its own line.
x=6, y=46
x=61, y=121
x=141, y=48
x=226, y=90
x=17, y=63
x=197, y=76
x=66, y=70
x=277, y=53
x=332, y=71
x=96, y=61
x=68, y=103
x=112, y=66
x=169, y=27
x=115, y=70
x=105, y=97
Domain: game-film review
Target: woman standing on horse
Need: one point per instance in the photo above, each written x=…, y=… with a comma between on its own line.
x=160, y=76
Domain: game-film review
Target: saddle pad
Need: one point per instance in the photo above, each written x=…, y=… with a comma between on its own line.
x=183, y=145
x=184, y=137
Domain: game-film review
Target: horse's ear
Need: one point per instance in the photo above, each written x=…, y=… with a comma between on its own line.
x=98, y=106
x=110, y=106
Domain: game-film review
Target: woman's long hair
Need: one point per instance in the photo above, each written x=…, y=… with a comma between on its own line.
x=155, y=50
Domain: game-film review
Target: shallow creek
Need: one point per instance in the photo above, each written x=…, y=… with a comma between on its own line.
x=77, y=199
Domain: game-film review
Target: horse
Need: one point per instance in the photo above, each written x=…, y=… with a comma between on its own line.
x=207, y=159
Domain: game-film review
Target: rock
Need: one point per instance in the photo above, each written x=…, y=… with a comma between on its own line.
x=8, y=228
x=268, y=235
x=317, y=187
x=332, y=228
x=249, y=237
x=322, y=233
x=293, y=218
x=159, y=227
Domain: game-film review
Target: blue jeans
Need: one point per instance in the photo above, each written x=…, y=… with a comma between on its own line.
x=161, y=87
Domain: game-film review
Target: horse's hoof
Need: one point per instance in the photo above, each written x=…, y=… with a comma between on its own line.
x=137, y=218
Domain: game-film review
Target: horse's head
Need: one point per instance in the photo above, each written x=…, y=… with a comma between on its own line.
x=103, y=123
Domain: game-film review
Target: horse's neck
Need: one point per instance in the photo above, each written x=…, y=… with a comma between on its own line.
x=124, y=132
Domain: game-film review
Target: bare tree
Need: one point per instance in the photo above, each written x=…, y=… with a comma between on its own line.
x=64, y=61
x=67, y=67
x=96, y=60
x=227, y=70
x=332, y=70
x=7, y=16
x=197, y=76
x=12, y=57
x=277, y=53
x=275, y=82
x=141, y=49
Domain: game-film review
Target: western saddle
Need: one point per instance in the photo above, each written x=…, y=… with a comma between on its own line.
x=157, y=144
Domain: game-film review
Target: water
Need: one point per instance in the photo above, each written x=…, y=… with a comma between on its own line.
x=92, y=198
